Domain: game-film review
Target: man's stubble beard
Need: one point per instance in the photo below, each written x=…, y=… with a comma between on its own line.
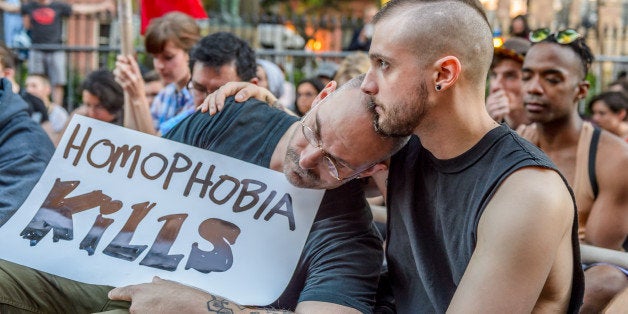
x=400, y=120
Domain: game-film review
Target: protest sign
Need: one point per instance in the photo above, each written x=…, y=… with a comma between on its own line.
x=117, y=207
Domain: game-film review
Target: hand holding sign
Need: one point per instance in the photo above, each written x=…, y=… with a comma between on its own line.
x=156, y=297
x=117, y=207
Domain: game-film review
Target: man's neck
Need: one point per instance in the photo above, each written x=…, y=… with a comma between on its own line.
x=279, y=155
x=560, y=133
x=451, y=127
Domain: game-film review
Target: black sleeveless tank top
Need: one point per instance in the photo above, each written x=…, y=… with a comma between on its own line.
x=433, y=213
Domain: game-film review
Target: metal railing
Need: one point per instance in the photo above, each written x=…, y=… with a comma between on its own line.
x=297, y=64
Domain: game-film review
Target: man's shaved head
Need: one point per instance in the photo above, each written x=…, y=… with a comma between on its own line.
x=427, y=22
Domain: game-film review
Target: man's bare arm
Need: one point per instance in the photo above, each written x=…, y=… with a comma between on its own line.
x=165, y=296
x=91, y=8
x=524, y=232
x=607, y=223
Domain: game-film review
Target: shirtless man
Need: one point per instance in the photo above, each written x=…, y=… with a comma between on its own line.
x=554, y=82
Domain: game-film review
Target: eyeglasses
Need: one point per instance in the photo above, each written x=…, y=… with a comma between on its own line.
x=564, y=37
x=198, y=89
x=331, y=164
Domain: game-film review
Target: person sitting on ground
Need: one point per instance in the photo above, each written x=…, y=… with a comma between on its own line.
x=338, y=278
x=24, y=151
x=214, y=60
x=609, y=110
x=505, y=100
x=470, y=229
x=554, y=82
x=168, y=40
x=307, y=89
x=270, y=76
x=36, y=108
x=103, y=98
x=354, y=64
x=325, y=71
x=152, y=85
x=39, y=85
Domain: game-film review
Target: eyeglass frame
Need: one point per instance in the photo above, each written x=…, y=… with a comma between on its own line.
x=316, y=142
x=192, y=87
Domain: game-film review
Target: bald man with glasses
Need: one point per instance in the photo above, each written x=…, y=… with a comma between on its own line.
x=340, y=264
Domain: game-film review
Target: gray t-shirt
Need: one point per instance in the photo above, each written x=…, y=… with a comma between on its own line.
x=342, y=257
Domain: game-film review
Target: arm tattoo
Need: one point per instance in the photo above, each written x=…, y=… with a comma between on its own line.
x=220, y=305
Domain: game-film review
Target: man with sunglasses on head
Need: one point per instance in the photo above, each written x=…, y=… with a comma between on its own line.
x=592, y=160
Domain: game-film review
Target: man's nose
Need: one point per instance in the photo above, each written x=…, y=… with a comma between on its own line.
x=532, y=86
x=310, y=157
x=368, y=85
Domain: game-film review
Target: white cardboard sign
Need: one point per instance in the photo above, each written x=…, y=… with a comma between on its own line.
x=117, y=207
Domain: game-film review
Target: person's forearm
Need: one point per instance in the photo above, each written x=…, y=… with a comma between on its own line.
x=221, y=305
x=594, y=254
x=8, y=7
x=142, y=117
x=90, y=8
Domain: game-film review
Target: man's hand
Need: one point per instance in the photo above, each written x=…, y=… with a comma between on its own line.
x=243, y=91
x=498, y=105
x=165, y=296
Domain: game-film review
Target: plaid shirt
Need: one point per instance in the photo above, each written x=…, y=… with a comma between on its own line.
x=170, y=102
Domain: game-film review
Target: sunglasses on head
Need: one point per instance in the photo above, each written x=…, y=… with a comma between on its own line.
x=564, y=37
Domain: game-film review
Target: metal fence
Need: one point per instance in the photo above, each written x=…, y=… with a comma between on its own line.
x=268, y=34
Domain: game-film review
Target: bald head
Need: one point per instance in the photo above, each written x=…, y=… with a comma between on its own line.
x=439, y=28
x=341, y=137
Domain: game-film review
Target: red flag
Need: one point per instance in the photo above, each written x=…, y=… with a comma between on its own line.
x=155, y=8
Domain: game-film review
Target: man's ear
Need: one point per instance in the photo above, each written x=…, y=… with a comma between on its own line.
x=583, y=89
x=254, y=80
x=374, y=169
x=622, y=114
x=447, y=69
x=329, y=88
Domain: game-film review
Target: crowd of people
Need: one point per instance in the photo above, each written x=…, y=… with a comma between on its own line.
x=500, y=194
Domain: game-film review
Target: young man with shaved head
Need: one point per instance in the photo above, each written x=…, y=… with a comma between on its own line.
x=480, y=221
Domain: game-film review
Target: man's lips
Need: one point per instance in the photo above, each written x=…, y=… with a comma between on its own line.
x=534, y=106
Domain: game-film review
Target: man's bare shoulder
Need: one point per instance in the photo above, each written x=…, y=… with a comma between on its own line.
x=524, y=243
x=544, y=184
x=611, y=161
x=532, y=194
